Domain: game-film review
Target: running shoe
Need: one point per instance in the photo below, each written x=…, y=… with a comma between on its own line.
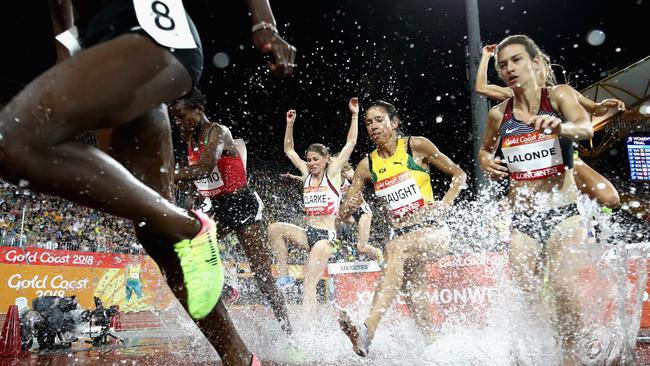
x=285, y=282
x=255, y=361
x=202, y=268
x=233, y=295
x=358, y=334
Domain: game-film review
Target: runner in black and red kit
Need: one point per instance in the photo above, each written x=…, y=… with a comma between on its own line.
x=219, y=173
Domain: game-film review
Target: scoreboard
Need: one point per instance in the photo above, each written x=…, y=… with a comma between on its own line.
x=638, y=153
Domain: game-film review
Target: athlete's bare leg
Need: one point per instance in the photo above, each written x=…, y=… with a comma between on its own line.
x=105, y=86
x=259, y=255
x=415, y=290
x=316, y=264
x=567, y=259
x=144, y=147
x=591, y=183
x=278, y=234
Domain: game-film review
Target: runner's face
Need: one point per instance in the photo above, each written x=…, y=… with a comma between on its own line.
x=185, y=118
x=379, y=125
x=315, y=162
x=516, y=67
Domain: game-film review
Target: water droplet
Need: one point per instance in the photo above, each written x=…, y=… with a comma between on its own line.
x=438, y=119
x=595, y=37
x=141, y=224
x=221, y=60
x=23, y=183
x=16, y=120
x=618, y=49
x=601, y=185
x=635, y=204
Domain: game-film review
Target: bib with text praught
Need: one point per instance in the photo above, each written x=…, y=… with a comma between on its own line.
x=533, y=156
x=401, y=193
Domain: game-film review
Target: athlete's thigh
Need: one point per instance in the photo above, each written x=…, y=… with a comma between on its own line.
x=293, y=233
x=526, y=260
x=104, y=86
x=432, y=243
x=568, y=247
x=144, y=147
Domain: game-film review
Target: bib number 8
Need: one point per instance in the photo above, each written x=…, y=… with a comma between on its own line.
x=162, y=12
x=166, y=22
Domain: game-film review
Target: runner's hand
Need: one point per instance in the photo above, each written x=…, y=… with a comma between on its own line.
x=488, y=50
x=354, y=105
x=547, y=124
x=613, y=103
x=291, y=116
x=282, y=53
x=496, y=169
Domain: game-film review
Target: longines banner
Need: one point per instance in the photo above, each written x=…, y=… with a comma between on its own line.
x=132, y=282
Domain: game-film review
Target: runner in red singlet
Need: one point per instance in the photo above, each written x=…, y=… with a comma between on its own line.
x=219, y=174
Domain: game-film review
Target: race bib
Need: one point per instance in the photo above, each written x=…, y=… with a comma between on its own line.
x=165, y=21
x=317, y=201
x=401, y=193
x=533, y=156
x=210, y=186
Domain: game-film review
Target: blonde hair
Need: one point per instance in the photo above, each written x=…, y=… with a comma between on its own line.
x=550, y=79
x=318, y=148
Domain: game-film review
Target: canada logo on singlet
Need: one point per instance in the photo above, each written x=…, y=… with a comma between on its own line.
x=401, y=193
x=533, y=156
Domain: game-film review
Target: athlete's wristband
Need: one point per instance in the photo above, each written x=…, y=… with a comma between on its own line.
x=264, y=25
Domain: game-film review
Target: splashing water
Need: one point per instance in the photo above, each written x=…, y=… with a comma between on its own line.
x=515, y=328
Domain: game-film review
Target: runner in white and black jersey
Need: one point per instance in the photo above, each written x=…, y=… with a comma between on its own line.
x=536, y=128
x=360, y=220
x=321, y=198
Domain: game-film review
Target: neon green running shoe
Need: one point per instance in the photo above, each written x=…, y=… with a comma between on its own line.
x=202, y=268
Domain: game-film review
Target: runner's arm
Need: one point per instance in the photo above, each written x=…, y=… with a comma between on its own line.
x=481, y=86
x=577, y=125
x=294, y=177
x=361, y=176
x=208, y=159
x=351, y=141
x=267, y=39
x=492, y=166
x=601, y=108
x=288, y=145
x=442, y=162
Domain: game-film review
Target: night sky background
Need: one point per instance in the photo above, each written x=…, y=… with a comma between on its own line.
x=409, y=52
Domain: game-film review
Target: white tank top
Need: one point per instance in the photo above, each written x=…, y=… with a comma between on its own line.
x=321, y=200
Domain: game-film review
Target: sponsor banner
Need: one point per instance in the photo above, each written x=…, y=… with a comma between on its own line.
x=462, y=288
x=455, y=285
x=132, y=282
x=353, y=267
x=67, y=258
